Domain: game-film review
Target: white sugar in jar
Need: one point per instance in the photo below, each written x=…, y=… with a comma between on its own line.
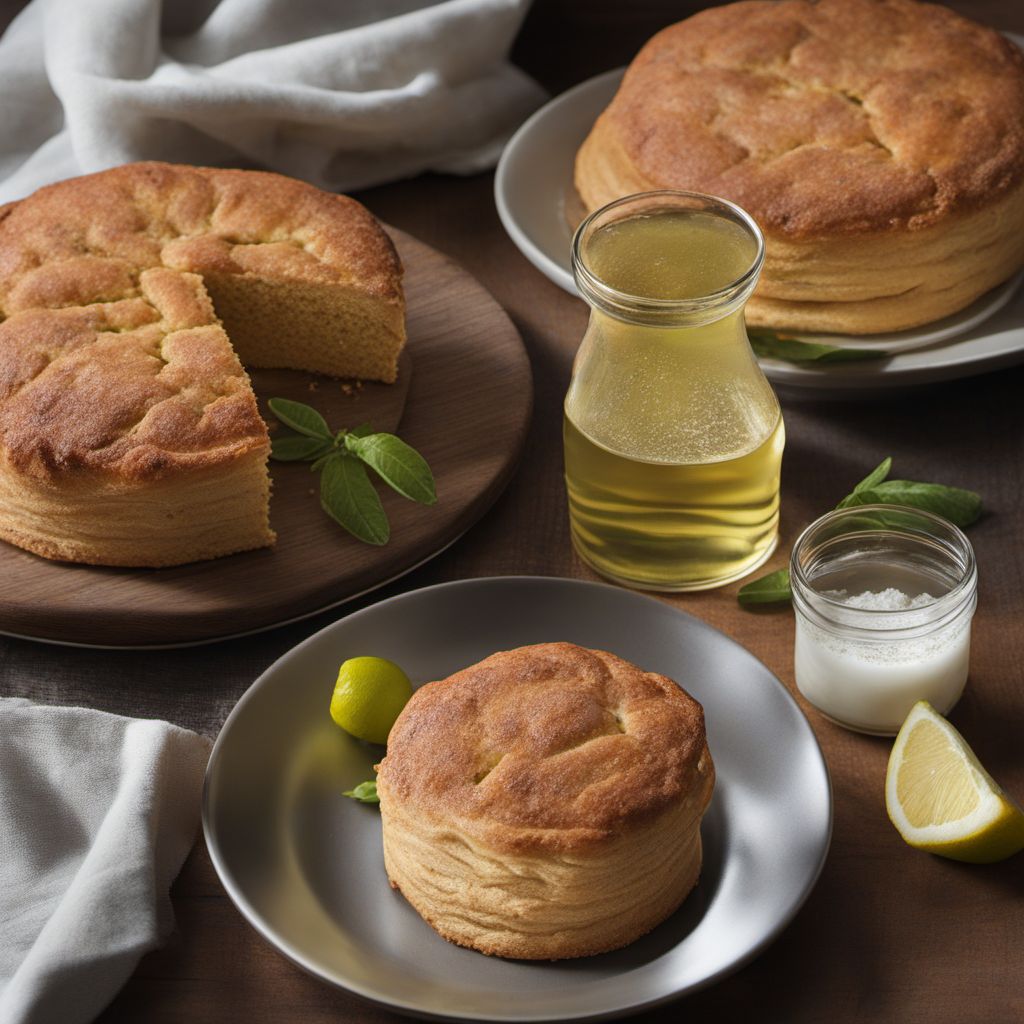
x=884, y=597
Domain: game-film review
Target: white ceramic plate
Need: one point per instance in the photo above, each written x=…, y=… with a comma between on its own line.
x=304, y=864
x=535, y=175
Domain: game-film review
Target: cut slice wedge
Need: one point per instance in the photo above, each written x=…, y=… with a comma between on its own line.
x=941, y=799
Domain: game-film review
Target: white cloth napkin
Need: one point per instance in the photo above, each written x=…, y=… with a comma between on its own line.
x=97, y=814
x=343, y=93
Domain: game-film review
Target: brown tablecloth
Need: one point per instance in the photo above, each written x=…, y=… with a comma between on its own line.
x=888, y=934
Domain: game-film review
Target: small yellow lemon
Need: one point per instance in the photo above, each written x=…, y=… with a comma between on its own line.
x=941, y=799
x=368, y=696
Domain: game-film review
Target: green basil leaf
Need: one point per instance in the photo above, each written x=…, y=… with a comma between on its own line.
x=297, y=448
x=953, y=503
x=302, y=418
x=770, y=589
x=363, y=430
x=875, y=477
x=399, y=465
x=365, y=792
x=769, y=345
x=348, y=497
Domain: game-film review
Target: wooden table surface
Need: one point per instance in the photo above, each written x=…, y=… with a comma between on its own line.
x=888, y=934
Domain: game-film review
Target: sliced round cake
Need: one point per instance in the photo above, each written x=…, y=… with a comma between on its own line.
x=129, y=432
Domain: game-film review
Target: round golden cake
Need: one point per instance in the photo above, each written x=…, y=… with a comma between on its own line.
x=129, y=432
x=879, y=144
x=546, y=802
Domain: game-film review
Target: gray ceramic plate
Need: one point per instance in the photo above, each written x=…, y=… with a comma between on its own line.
x=303, y=863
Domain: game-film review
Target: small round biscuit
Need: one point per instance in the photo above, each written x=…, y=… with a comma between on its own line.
x=546, y=802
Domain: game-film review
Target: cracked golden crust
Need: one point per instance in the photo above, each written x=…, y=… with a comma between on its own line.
x=132, y=390
x=86, y=240
x=552, y=747
x=819, y=118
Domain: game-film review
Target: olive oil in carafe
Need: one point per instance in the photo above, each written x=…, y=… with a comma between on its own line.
x=673, y=438
x=669, y=525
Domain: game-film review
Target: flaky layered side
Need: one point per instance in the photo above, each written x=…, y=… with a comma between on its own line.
x=597, y=898
x=879, y=144
x=204, y=514
x=546, y=803
x=890, y=282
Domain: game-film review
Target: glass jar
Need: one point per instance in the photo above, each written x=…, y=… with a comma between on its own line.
x=883, y=597
x=673, y=436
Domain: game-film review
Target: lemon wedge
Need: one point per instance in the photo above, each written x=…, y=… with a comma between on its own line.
x=941, y=799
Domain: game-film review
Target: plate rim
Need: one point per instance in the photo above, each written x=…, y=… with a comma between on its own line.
x=267, y=934
x=807, y=380
x=541, y=261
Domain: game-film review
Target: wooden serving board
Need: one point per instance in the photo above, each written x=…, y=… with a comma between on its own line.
x=463, y=400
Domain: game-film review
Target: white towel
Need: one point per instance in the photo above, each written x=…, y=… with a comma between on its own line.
x=97, y=815
x=342, y=93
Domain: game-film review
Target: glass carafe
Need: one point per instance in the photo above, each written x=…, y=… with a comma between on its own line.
x=673, y=436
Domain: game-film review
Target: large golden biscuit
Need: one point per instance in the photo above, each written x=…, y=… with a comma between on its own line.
x=878, y=143
x=546, y=802
x=129, y=433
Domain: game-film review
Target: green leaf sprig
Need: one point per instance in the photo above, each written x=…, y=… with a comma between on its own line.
x=347, y=494
x=365, y=792
x=770, y=344
x=770, y=589
x=953, y=503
